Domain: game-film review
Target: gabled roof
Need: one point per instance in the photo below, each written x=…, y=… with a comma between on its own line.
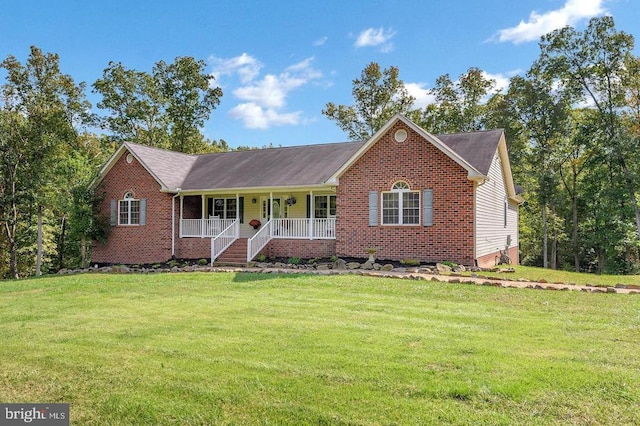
x=468, y=163
x=300, y=166
x=478, y=148
x=168, y=168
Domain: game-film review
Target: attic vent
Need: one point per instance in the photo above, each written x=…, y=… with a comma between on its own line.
x=129, y=158
x=400, y=135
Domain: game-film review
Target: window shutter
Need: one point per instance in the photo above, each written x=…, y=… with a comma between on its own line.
x=114, y=213
x=241, y=209
x=308, y=206
x=427, y=206
x=143, y=211
x=373, y=208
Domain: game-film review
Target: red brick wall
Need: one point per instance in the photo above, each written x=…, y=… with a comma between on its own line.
x=422, y=166
x=306, y=249
x=150, y=243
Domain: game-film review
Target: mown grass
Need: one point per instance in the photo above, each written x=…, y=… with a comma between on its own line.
x=532, y=273
x=237, y=348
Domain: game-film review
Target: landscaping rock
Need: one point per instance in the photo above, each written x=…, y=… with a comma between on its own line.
x=442, y=268
x=387, y=267
x=368, y=265
x=353, y=265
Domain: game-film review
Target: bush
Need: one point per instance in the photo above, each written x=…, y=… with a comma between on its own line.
x=294, y=261
x=202, y=262
x=334, y=258
x=410, y=262
x=262, y=257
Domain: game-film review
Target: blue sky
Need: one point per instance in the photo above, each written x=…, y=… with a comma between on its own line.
x=280, y=62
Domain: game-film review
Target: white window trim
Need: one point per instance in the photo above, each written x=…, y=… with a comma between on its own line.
x=128, y=198
x=400, y=188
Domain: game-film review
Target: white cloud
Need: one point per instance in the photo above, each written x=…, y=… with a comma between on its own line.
x=372, y=37
x=245, y=66
x=538, y=25
x=321, y=41
x=502, y=80
x=256, y=117
x=262, y=100
x=422, y=95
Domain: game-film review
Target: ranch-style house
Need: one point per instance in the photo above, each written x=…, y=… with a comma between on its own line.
x=404, y=193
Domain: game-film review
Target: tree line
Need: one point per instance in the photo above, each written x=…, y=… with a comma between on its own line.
x=572, y=126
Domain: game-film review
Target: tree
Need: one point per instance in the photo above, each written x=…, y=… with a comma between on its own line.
x=164, y=109
x=41, y=108
x=593, y=65
x=189, y=100
x=378, y=96
x=544, y=115
x=459, y=106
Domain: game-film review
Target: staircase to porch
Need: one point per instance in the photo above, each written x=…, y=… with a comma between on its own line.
x=235, y=255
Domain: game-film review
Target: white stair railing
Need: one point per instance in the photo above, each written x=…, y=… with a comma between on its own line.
x=223, y=240
x=259, y=240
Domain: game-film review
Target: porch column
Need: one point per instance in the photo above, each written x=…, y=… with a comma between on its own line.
x=203, y=216
x=311, y=214
x=181, y=212
x=271, y=212
x=238, y=215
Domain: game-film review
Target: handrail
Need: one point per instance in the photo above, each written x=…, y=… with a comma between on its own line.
x=223, y=240
x=259, y=240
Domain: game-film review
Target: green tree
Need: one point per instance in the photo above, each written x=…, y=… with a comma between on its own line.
x=592, y=64
x=41, y=108
x=459, y=106
x=378, y=95
x=165, y=109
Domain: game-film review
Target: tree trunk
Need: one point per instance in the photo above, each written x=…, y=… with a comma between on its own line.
x=545, y=257
x=63, y=227
x=39, y=250
x=83, y=250
x=632, y=191
x=13, y=249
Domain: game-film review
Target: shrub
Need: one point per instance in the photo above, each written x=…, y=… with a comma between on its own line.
x=173, y=263
x=262, y=257
x=334, y=258
x=294, y=261
x=410, y=262
x=202, y=262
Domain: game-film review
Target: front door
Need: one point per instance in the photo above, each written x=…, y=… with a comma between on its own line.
x=265, y=211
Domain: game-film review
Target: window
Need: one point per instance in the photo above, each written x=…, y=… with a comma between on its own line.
x=324, y=206
x=401, y=206
x=223, y=208
x=129, y=210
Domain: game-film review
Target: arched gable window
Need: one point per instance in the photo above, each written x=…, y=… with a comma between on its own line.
x=401, y=205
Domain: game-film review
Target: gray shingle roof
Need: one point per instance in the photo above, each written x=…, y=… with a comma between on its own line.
x=289, y=166
x=169, y=167
x=477, y=148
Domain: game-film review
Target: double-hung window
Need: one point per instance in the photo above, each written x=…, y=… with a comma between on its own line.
x=129, y=210
x=223, y=208
x=401, y=205
x=324, y=206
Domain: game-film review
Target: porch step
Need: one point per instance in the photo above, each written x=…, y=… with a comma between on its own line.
x=234, y=255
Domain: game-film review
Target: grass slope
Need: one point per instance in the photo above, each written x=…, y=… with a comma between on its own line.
x=303, y=349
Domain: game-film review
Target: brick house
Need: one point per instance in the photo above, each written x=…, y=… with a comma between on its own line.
x=404, y=192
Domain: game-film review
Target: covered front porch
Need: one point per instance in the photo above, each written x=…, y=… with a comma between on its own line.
x=257, y=216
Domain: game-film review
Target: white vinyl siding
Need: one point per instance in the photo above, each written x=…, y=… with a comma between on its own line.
x=495, y=221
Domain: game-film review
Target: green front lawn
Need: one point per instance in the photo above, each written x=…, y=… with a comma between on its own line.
x=238, y=348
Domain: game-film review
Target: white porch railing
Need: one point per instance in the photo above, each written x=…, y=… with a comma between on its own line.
x=222, y=241
x=304, y=228
x=259, y=240
x=203, y=228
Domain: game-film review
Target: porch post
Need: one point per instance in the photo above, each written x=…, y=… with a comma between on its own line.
x=271, y=212
x=311, y=213
x=181, y=212
x=203, y=216
x=237, y=215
